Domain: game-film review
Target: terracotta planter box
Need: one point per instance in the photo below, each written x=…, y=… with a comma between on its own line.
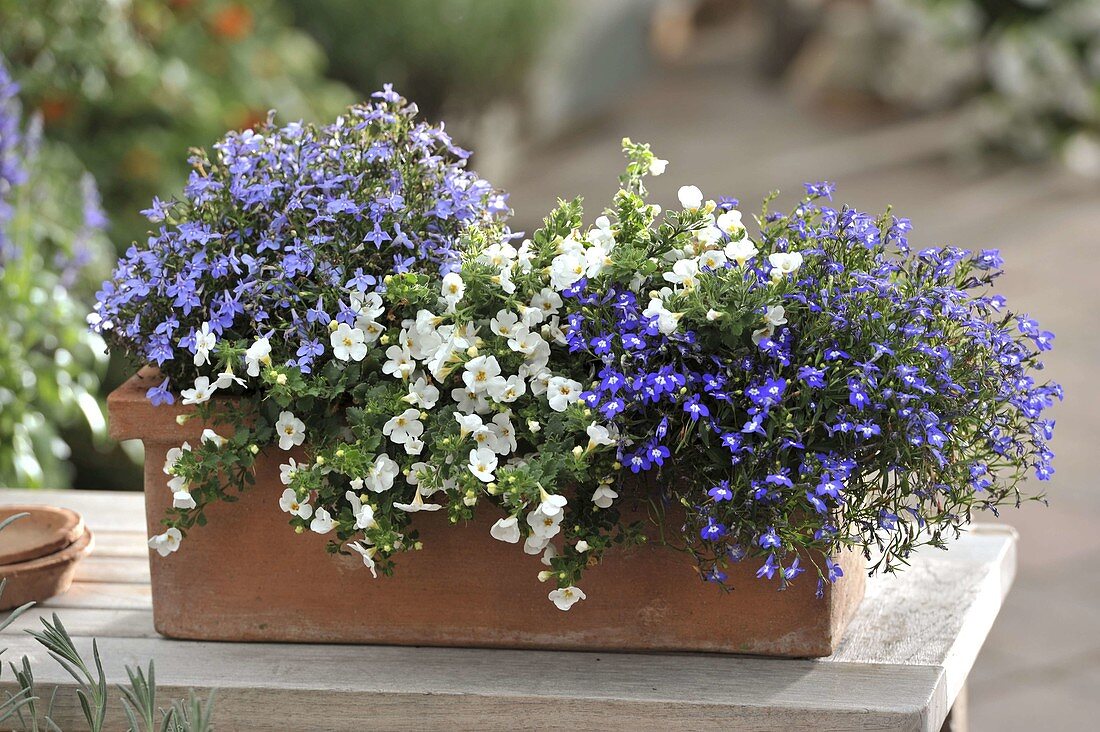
x=246, y=576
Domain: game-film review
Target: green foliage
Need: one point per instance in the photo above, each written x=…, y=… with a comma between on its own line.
x=455, y=53
x=52, y=255
x=132, y=84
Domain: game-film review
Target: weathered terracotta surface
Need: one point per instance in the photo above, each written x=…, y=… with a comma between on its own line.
x=44, y=530
x=44, y=577
x=247, y=576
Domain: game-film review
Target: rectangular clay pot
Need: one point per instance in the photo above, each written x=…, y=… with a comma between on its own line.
x=246, y=576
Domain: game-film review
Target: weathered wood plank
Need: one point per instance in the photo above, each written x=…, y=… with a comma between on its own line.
x=93, y=622
x=119, y=570
x=265, y=686
x=104, y=595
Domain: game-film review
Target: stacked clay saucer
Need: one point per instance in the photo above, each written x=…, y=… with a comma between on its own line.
x=39, y=552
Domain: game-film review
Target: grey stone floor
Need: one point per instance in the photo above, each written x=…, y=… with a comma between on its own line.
x=731, y=133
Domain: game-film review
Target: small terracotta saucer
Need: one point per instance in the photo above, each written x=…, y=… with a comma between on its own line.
x=42, y=532
x=43, y=577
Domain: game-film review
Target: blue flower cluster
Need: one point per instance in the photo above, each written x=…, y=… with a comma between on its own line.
x=887, y=395
x=275, y=231
x=12, y=173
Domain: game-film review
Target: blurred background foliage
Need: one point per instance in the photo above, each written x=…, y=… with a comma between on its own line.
x=450, y=56
x=130, y=85
x=1025, y=72
x=53, y=254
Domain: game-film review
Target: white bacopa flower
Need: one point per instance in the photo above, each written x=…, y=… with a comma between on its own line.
x=287, y=471
x=468, y=400
x=543, y=525
x=525, y=342
x=566, y=269
x=603, y=496
x=183, y=499
x=776, y=315
x=582, y=546
x=595, y=259
x=707, y=238
x=504, y=279
x=381, y=474
x=166, y=543
x=546, y=302
x=453, y=289
x=322, y=522
x=566, y=597
x=535, y=544
x=561, y=392
x=784, y=263
x=598, y=435
x=399, y=363
x=504, y=436
x=540, y=381
x=423, y=394
x=762, y=334
x=289, y=502
x=534, y=426
x=291, y=431
x=204, y=344
x=483, y=462
x=550, y=552
x=667, y=321
x=684, y=273
x=482, y=373
x=212, y=437
x=201, y=392
x=367, y=552
x=552, y=504
x=422, y=346
x=741, y=251
x=730, y=221
x=690, y=197
x=404, y=427
x=506, y=530
x=426, y=322
x=504, y=324
x=468, y=423
x=506, y=391
x=348, y=344
x=372, y=330
x=525, y=257
x=602, y=235
x=416, y=505
x=497, y=255
x=657, y=166
x=364, y=512
x=714, y=259
x=227, y=378
x=173, y=456
x=369, y=307
x=257, y=354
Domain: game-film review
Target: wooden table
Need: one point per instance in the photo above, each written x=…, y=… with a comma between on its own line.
x=902, y=665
